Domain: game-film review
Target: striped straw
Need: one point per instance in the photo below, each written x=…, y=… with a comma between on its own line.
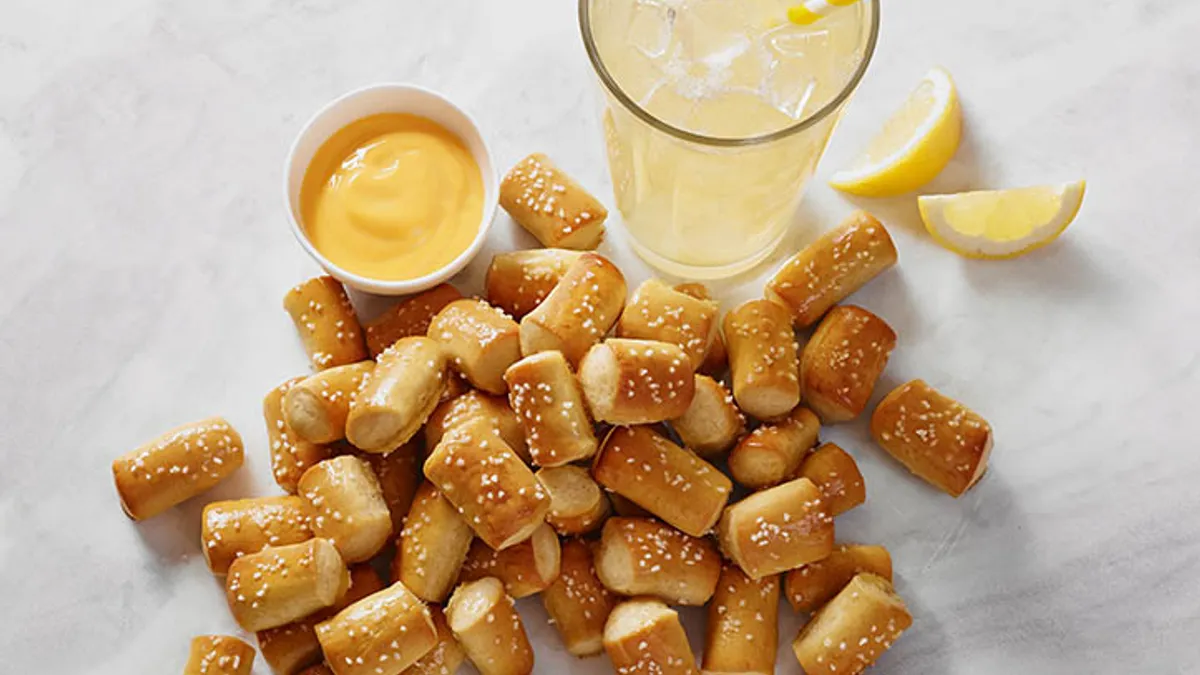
x=812, y=10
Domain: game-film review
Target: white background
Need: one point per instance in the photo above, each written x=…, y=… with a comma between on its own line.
x=144, y=252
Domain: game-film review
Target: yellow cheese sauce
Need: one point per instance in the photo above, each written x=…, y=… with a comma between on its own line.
x=392, y=197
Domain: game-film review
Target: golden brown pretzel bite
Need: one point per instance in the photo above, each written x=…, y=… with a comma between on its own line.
x=409, y=318
x=713, y=422
x=636, y=381
x=577, y=503
x=326, y=322
x=291, y=454
x=480, y=340
x=483, y=478
x=524, y=569
x=810, y=586
x=432, y=546
x=549, y=404
x=934, y=436
x=742, y=632
x=771, y=453
x=842, y=261
x=641, y=556
x=551, y=205
x=763, y=363
x=316, y=407
x=231, y=529
x=841, y=363
x=397, y=397
x=282, y=584
x=578, y=604
x=854, y=629
x=487, y=625
x=518, y=281
x=178, y=465
x=663, y=478
x=382, y=634
x=644, y=637
x=777, y=529
x=579, y=311
x=219, y=655
x=475, y=404
x=658, y=312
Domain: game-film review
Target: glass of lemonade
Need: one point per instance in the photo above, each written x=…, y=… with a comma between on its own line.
x=717, y=112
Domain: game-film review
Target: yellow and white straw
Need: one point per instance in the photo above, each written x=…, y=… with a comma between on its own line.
x=811, y=11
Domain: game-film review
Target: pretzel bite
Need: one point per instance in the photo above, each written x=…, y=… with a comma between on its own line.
x=809, y=587
x=641, y=556
x=772, y=453
x=551, y=206
x=291, y=455
x=934, y=436
x=432, y=546
x=658, y=312
x=446, y=657
x=291, y=647
x=836, y=473
x=831, y=268
x=777, y=529
x=578, y=604
x=663, y=478
x=841, y=363
x=524, y=569
x=382, y=634
x=398, y=396
x=854, y=629
x=475, y=404
x=547, y=400
x=742, y=632
x=182, y=463
x=346, y=506
x=486, y=623
x=577, y=504
x=712, y=423
x=219, y=655
x=644, y=637
x=326, y=322
x=409, y=318
x=579, y=311
x=231, y=529
x=398, y=473
x=481, y=341
x=763, y=364
x=491, y=487
x=636, y=381
x=518, y=281
x=316, y=407
x=716, y=360
x=282, y=584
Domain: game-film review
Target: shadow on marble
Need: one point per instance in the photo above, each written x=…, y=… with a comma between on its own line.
x=1062, y=270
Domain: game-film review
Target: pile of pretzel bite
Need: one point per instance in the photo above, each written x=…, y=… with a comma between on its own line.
x=562, y=437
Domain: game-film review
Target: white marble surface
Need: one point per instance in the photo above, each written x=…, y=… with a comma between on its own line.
x=144, y=251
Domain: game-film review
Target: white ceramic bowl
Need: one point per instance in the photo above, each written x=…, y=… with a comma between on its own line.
x=372, y=100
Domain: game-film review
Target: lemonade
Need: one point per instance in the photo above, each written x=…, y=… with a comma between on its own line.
x=717, y=113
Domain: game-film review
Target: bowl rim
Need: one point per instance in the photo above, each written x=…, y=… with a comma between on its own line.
x=488, y=173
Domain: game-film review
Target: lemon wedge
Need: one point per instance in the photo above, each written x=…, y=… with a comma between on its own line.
x=1001, y=223
x=914, y=146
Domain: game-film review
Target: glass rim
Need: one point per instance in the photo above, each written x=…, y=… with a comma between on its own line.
x=610, y=84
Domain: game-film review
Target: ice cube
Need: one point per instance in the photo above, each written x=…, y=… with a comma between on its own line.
x=651, y=25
